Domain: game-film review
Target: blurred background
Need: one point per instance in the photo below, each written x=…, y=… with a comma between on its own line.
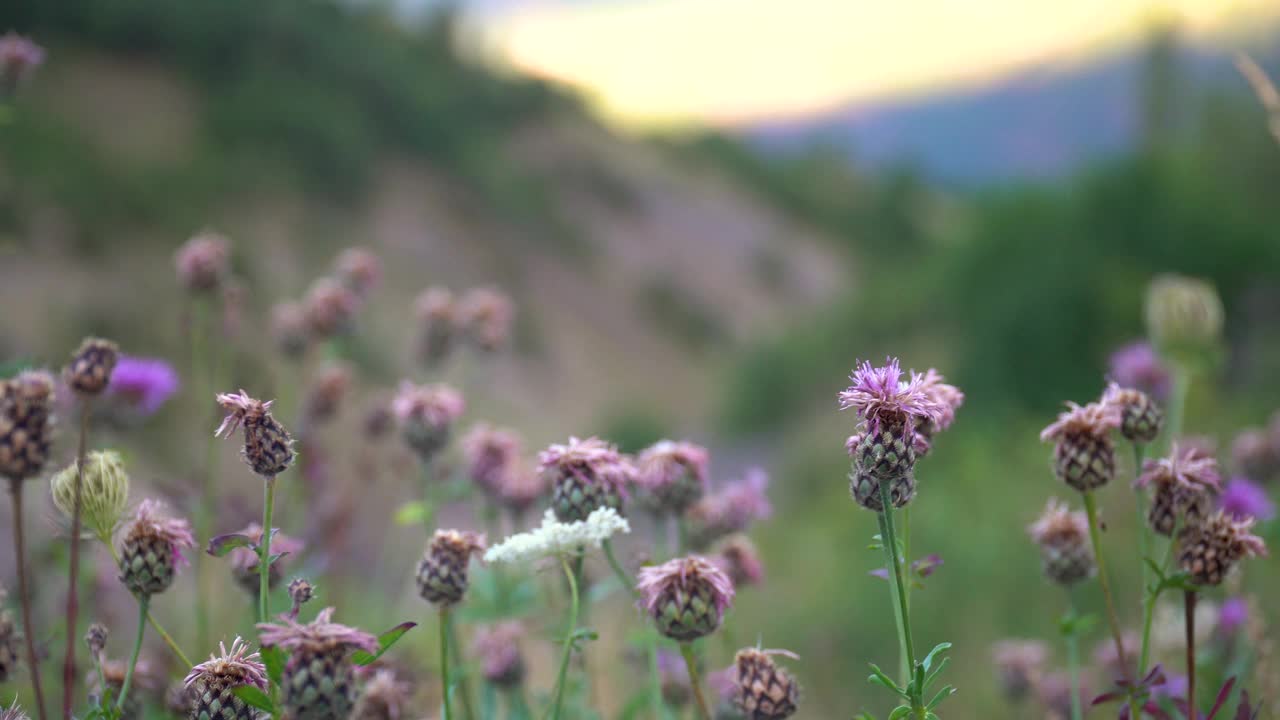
x=705, y=212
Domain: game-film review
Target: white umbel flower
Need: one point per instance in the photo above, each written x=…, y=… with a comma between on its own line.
x=555, y=537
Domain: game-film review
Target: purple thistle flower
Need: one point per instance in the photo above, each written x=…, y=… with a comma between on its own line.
x=491, y=454
x=18, y=57
x=686, y=597
x=1095, y=419
x=144, y=383
x=665, y=462
x=949, y=397
x=289, y=634
x=882, y=398
x=148, y=521
x=1233, y=615
x=1186, y=467
x=1137, y=366
x=236, y=666
x=1244, y=498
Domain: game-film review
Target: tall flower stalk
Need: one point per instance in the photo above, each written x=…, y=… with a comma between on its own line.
x=144, y=605
x=445, y=687
x=571, y=629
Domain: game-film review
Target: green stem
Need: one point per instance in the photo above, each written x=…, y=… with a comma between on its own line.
x=144, y=604
x=205, y=386
x=428, y=496
x=890, y=543
x=1091, y=508
x=164, y=635
x=444, y=662
x=568, y=639
x=650, y=645
x=517, y=706
x=28, y=629
x=1144, y=549
x=691, y=662
x=627, y=583
x=73, y=598
x=464, y=684
x=264, y=554
x=1073, y=662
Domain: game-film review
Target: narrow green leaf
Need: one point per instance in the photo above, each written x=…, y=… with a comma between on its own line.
x=220, y=545
x=928, y=659
x=879, y=678
x=943, y=694
x=937, y=670
x=900, y=712
x=255, y=697
x=411, y=513
x=274, y=658
x=385, y=641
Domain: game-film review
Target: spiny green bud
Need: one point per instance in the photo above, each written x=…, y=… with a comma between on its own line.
x=104, y=492
x=1184, y=317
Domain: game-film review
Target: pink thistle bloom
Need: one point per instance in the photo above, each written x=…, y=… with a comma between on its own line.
x=490, y=454
x=593, y=457
x=145, y=383
x=736, y=506
x=1095, y=419
x=1186, y=467
x=236, y=666
x=1244, y=498
x=1137, y=366
x=498, y=647
x=330, y=307
x=290, y=634
x=149, y=522
x=436, y=406
x=1057, y=525
x=737, y=556
x=665, y=462
x=486, y=316
x=239, y=406
x=203, y=262
x=687, y=597
x=521, y=488
x=948, y=397
x=359, y=269
x=882, y=398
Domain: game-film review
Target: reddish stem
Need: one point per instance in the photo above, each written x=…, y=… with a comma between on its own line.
x=73, y=598
x=1189, y=598
x=28, y=630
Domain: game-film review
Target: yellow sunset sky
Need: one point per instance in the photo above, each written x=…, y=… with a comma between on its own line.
x=647, y=62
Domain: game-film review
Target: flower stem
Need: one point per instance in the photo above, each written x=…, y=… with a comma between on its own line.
x=1073, y=661
x=890, y=543
x=28, y=630
x=691, y=662
x=1177, y=403
x=568, y=639
x=650, y=645
x=164, y=635
x=264, y=554
x=73, y=599
x=1091, y=508
x=464, y=685
x=1189, y=605
x=444, y=662
x=202, y=381
x=144, y=604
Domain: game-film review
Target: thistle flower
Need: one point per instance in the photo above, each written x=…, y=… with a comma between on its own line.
x=486, y=315
x=324, y=397
x=13, y=712
x=948, y=397
x=1185, y=483
x=144, y=384
x=686, y=597
x=1140, y=417
x=151, y=549
x=9, y=643
x=737, y=556
x=104, y=492
x=18, y=57
x=672, y=475
x=724, y=684
x=95, y=638
x=383, y=697
x=318, y=682
x=211, y=684
x=765, y=691
x=556, y=538
x=490, y=455
x=378, y=419
x=90, y=368
x=1184, y=316
x=1256, y=455
x=203, y=262
x=1019, y=666
x=426, y=414
x=289, y=329
x=498, y=648
x=584, y=475
x=442, y=572
x=731, y=509
x=301, y=592
x=329, y=308
x=1066, y=554
x=1208, y=551
x=438, y=318
x=1243, y=498
x=268, y=449
x=1084, y=456
x=521, y=489
x=1137, y=366
x=244, y=561
x=1233, y=616
x=359, y=269
x=26, y=424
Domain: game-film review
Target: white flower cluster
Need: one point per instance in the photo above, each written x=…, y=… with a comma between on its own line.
x=556, y=538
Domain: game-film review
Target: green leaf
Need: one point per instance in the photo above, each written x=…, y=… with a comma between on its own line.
x=943, y=694
x=928, y=659
x=585, y=634
x=274, y=658
x=928, y=680
x=385, y=641
x=255, y=697
x=879, y=678
x=411, y=513
x=899, y=712
x=220, y=545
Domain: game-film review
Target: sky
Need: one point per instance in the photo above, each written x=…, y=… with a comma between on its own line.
x=734, y=62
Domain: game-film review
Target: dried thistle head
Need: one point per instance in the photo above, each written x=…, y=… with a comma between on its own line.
x=686, y=597
x=26, y=423
x=1184, y=484
x=244, y=561
x=96, y=640
x=498, y=648
x=151, y=549
x=442, y=572
x=1209, y=550
x=91, y=365
x=490, y=454
x=301, y=592
x=426, y=414
x=289, y=329
x=765, y=691
x=584, y=475
x=1084, y=454
x=268, y=448
x=1140, y=418
x=672, y=476
x=228, y=668
x=203, y=262
x=1019, y=666
x=1066, y=552
x=330, y=308
x=104, y=492
x=486, y=316
x=883, y=400
x=359, y=269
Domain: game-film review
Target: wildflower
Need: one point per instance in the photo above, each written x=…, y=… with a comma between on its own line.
x=1019, y=665
x=1084, y=456
x=318, y=682
x=1184, y=485
x=584, y=475
x=736, y=555
x=490, y=454
x=90, y=368
x=211, y=684
x=289, y=329
x=733, y=508
x=765, y=691
x=104, y=492
x=329, y=308
x=498, y=648
x=359, y=269
x=1065, y=550
x=1184, y=316
x=9, y=643
x=244, y=560
x=442, y=572
x=203, y=262
x=1137, y=366
x=485, y=316
x=890, y=411
x=438, y=318
x=330, y=385
x=1244, y=498
x=95, y=638
x=1208, y=551
x=948, y=397
x=18, y=57
x=1256, y=455
x=686, y=597
x=383, y=697
x=143, y=383
x=1140, y=417
x=426, y=414
x=26, y=424
x=521, y=488
x=268, y=449
x=1233, y=616
x=151, y=550
x=556, y=538
x=672, y=475
x=301, y=592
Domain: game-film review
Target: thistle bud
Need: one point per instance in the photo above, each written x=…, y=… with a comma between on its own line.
x=359, y=270
x=318, y=681
x=289, y=329
x=268, y=448
x=490, y=455
x=1207, y=551
x=9, y=645
x=104, y=492
x=1256, y=455
x=442, y=573
x=330, y=308
x=26, y=424
x=325, y=395
x=686, y=597
x=426, y=414
x=151, y=550
x=1184, y=317
x=1065, y=550
x=486, y=315
x=1084, y=456
x=96, y=640
x=1184, y=483
x=1019, y=665
x=383, y=697
x=1137, y=366
x=765, y=691
x=300, y=593
x=90, y=368
x=521, y=489
x=498, y=648
x=203, y=262
x=737, y=556
x=1140, y=417
x=438, y=319
x=584, y=475
x=672, y=475
x=211, y=685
